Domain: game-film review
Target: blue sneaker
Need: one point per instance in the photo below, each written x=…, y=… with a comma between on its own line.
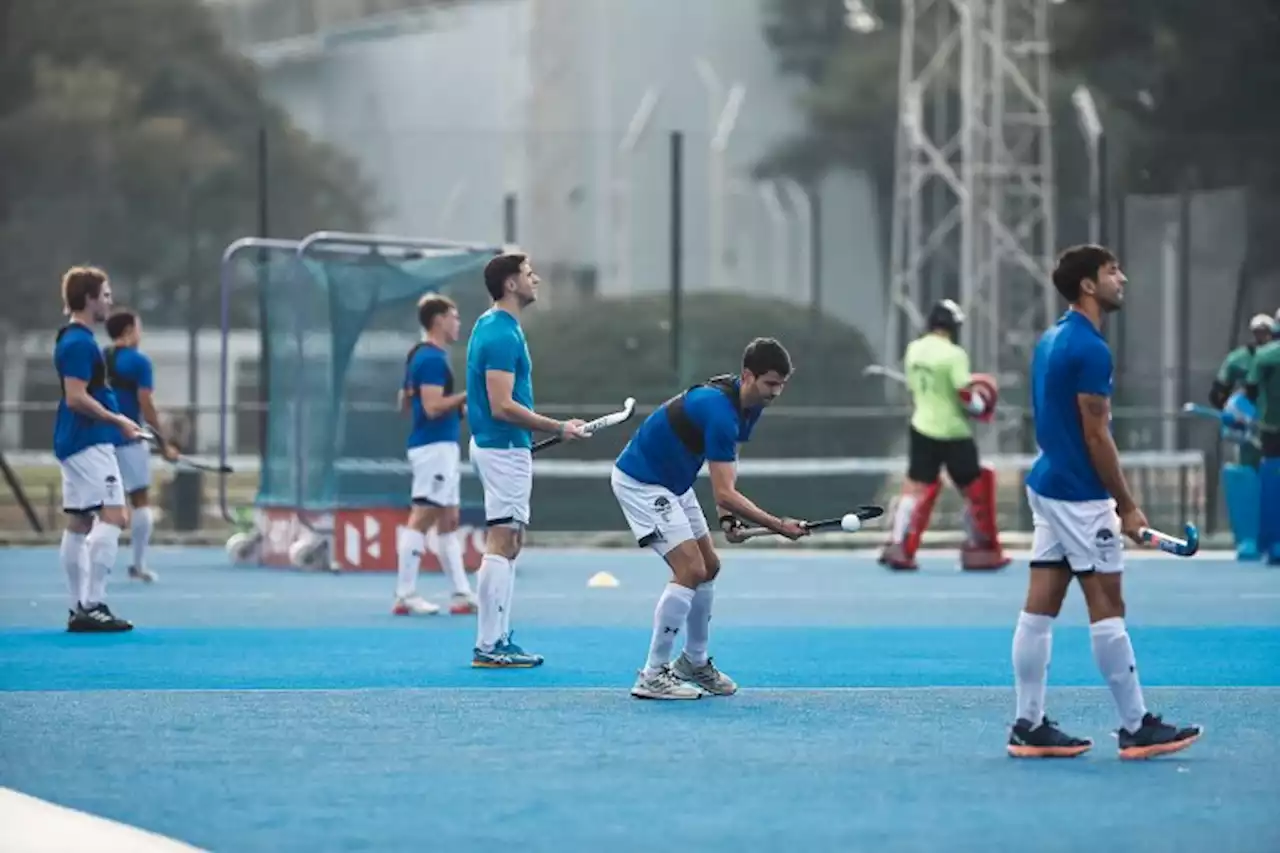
x=508, y=647
x=1247, y=551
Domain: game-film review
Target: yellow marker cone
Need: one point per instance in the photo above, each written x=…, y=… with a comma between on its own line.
x=602, y=580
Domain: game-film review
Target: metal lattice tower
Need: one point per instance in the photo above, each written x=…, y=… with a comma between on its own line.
x=973, y=201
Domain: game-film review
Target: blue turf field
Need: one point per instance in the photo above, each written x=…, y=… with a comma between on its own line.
x=275, y=711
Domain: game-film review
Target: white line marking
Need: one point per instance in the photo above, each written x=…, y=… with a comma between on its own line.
x=623, y=688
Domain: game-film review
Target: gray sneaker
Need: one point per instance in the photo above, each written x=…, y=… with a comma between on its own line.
x=663, y=684
x=706, y=676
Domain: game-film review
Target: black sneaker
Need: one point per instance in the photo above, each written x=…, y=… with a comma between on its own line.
x=97, y=619
x=1044, y=741
x=1156, y=737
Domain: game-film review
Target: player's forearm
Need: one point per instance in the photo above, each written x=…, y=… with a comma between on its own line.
x=1106, y=461
x=735, y=503
x=152, y=418
x=84, y=404
x=513, y=413
x=440, y=406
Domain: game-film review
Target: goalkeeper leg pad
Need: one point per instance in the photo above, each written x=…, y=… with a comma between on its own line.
x=1269, y=510
x=1242, y=488
x=982, y=549
x=910, y=520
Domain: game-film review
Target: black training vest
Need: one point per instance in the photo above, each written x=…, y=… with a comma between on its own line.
x=98, y=379
x=113, y=375
x=684, y=427
x=408, y=360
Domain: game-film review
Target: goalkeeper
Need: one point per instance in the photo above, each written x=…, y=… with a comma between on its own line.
x=1262, y=387
x=946, y=397
x=1240, y=484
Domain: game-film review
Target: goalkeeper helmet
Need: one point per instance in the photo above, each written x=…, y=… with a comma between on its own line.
x=947, y=316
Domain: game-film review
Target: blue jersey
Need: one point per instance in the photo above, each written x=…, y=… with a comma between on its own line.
x=656, y=454
x=76, y=355
x=428, y=364
x=497, y=343
x=129, y=372
x=1071, y=358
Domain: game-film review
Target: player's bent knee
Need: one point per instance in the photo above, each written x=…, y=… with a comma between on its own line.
x=449, y=520
x=1103, y=595
x=710, y=559
x=504, y=540
x=1047, y=588
x=116, y=515
x=140, y=498
x=79, y=522
x=686, y=563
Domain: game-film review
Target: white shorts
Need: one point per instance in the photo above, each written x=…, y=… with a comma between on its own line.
x=658, y=518
x=135, y=466
x=435, y=473
x=1084, y=533
x=506, y=473
x=91, y=479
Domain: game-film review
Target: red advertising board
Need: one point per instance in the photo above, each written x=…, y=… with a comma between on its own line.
x=364, y=540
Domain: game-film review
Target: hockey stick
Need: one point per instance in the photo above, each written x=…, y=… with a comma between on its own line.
x=1241, y=434
x=186, y=461
x=1172, y=545
x=592, y=427
x=887, y=372
x=850, y=522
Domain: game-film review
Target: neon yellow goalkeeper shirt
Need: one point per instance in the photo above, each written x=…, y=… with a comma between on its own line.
x=936, y=370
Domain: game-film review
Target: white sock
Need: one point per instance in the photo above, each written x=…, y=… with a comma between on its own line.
x=409, y=550
x=669, y=617
x=491, y=588
x=75, y=562
x=1032, y=646
x=140, y=533
x=449, y=550
x=511, y=597
x=699, y=623
x=104, y=545
x=1114, y=655
x=902, y=518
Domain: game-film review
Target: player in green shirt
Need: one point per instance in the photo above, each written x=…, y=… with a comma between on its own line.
x=946, y=397
x=1262, y=385
x=1231, y=377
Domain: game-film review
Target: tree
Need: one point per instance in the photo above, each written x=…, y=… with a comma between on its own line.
x=129, y=136
x=850, y=96
x=1197, y=85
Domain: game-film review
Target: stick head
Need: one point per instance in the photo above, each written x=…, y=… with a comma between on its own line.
x=629, y=406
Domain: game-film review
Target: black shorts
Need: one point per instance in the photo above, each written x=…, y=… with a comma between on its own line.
x=927, y=456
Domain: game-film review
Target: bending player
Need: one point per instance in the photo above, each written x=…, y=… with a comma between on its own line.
x=1081, y=504
x=85, y=430
x=1262, y=386
x=434, y=458
x=946, y=397
x=653, y=481
x=132, y=378
x=502, y=419
x=1240, y=483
